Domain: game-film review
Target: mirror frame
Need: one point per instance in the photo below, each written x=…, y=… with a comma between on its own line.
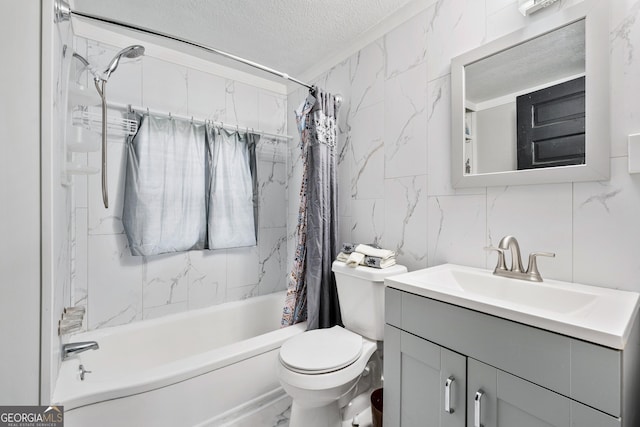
x=597, y=135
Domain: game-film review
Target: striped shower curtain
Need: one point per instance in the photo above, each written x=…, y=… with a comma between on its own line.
x=311, y=293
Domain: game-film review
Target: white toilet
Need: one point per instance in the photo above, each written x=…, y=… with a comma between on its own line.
x=321, y=369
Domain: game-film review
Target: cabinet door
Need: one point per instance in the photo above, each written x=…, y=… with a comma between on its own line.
x=425, y=384
x=498, y=399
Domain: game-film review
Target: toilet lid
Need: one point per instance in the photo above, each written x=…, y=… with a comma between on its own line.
x=321, y=350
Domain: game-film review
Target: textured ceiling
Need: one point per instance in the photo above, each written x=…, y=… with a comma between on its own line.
x=287, y=35
x=550, y=57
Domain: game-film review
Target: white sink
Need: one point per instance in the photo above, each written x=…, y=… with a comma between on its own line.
x=600, y=315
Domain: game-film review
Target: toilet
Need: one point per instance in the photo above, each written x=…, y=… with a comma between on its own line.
x=329, y=372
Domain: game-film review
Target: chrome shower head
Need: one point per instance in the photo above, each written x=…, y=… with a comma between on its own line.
x=133, y=51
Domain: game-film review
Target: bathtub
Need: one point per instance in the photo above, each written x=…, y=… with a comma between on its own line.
x=185, y=369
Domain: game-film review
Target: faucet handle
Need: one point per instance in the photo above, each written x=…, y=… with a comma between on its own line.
x=532, y=269
x=501, y=265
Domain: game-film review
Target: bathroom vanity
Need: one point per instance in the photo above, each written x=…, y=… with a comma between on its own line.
x=466, y=348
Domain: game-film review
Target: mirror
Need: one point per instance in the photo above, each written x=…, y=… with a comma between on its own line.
x=532, y=107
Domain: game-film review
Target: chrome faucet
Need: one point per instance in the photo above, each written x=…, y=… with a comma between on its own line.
x=510, y=242
x=516, y=271
x=73, y=348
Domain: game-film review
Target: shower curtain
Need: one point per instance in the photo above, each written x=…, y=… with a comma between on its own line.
x=311, y=292
x=166, y=182
x=231, y=205
x=189, y=186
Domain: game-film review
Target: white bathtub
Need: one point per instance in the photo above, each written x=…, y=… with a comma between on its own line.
x=179, y=370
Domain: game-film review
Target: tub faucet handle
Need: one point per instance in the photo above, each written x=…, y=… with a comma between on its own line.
x=82, y=372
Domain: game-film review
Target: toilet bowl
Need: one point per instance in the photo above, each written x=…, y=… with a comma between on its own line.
x=324, y=369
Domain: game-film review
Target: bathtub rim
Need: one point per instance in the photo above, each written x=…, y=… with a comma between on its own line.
x=71, y=393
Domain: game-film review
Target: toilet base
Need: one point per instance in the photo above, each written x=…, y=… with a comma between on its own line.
x=319, y=416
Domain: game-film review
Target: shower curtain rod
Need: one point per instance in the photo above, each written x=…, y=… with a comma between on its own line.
x=228, y=126
x=63, y=12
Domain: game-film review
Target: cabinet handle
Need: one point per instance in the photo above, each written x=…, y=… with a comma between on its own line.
x=477, y=407
x=447, y=395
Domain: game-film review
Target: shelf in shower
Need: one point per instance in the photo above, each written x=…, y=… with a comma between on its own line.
x=91, y=118
x=81, y=169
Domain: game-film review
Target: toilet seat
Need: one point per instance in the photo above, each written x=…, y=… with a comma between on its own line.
x=321, y=351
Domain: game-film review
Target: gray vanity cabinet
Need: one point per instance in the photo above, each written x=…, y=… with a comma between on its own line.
x=423, y=379
x=508, y=374
x=509, y=401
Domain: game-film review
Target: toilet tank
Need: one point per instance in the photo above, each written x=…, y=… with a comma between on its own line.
x=361, y=295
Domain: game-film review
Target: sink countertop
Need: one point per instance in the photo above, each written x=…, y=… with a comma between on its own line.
x=599, y=315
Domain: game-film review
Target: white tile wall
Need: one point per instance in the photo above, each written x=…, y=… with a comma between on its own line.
x=118, y=288
x=393, y=171
x=367, y=222
x=590, y=226
x=165, y=280
x=405, y=230
x=405, y=47
x=206, y=94
x=367, y=146
x=456, y=230
x=164, y=86
x=522, y=208
x=114, y=289
x=606, y=234
x=405, y=123
x=625, y=69
x=207, y=278
x=272, y=252
x=453, y=27
x=367, y=76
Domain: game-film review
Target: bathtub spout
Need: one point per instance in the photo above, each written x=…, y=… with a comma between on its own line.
x=70, y=349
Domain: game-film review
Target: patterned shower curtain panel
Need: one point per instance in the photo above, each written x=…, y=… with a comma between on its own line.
x=295, y=304
x=311, y=293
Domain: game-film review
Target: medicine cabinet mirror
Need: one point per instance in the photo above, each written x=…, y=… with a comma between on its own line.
x=533, y=106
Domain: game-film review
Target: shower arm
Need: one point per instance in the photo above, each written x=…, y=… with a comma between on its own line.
x=100, y=87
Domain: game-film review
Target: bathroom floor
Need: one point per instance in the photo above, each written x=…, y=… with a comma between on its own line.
x=364, y=420
x=276, y=414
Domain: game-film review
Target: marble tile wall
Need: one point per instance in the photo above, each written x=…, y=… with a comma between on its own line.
x=394, y=176
x=57, y=276
x=118, y=288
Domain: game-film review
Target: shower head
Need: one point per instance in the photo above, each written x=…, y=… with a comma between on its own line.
x=133, y=51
